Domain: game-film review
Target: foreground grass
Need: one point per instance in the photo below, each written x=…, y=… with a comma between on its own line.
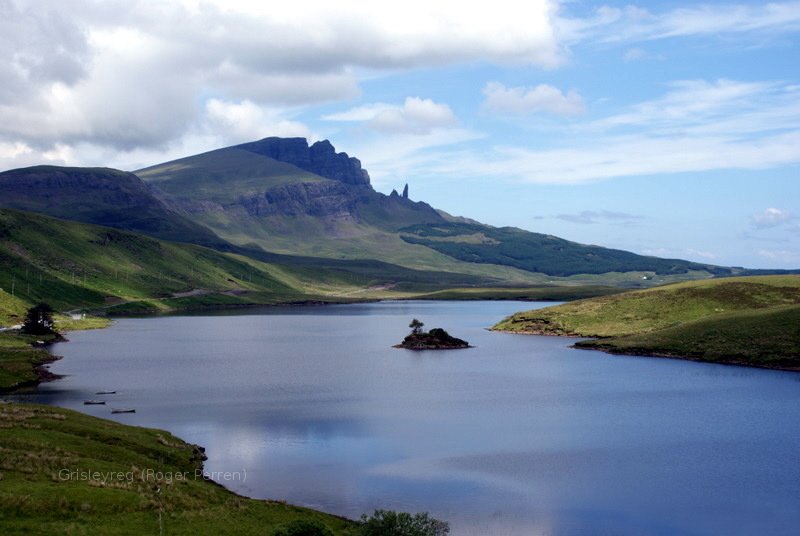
x=746, y=320
x=40, y=445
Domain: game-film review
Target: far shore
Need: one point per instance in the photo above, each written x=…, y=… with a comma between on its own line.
x=643, y=353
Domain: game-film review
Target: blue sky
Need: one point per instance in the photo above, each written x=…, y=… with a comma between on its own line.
x=665, y=128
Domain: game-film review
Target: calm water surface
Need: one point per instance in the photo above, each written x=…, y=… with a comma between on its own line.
x=519, y=436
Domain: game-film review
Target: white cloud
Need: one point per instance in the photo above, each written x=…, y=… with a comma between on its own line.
x=634, y=54
x=621, y=157
x=687, y=253
x=415, y=116
x=700, y=103
x=591, y=217
x=781, y=255
x=136, y=76
x=696, y=126
x=393, y=158
x=771, y=217
x=635, y=24
x=522, y=100
x=247, y=121
x=359, y=114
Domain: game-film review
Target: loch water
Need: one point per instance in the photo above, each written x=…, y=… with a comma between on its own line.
x=521, y=435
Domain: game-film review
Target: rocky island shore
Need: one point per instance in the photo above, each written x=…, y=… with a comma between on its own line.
x=435, y=339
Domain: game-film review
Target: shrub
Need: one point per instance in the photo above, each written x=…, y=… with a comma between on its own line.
x=391, y=523
x=302, y=527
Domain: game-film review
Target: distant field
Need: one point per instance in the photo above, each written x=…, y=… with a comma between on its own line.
x=750, y=320
x=40, y=493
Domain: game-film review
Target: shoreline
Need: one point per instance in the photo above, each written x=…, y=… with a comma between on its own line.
x=680, y=357
x=44, y=375
x=644, y=353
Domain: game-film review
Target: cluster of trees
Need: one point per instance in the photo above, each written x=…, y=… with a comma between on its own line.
x=380, y=523
x=39, y=320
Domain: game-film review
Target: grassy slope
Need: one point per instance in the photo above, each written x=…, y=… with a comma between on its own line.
x=101, y=196
x=73, y=265
x=223, y=175
x=762, y=337
x=220, y=178
x=12, y=309
x=743, y=319
x=536, y=252
x=39, y=441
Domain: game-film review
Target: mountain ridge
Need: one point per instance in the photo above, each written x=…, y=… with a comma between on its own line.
x=285, y=200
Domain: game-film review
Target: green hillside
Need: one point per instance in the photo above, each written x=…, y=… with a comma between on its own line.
x=221, y=176
x=253, y=200
x=101, y=196
x=536, y=252
x=739, y=319
x=41, y=494
x=264, y=194
x=73, y=265
x=283, y=201
x=761, y=337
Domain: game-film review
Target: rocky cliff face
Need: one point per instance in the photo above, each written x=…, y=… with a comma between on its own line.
x=317, y=199
x=320, y=158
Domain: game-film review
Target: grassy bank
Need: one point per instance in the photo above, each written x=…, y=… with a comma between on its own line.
x=764, y=338
x=22, y=357
x=19, y=361
x=746, y=320
x=43, y=446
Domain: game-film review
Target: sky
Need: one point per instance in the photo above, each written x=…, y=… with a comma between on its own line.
x=664, y=128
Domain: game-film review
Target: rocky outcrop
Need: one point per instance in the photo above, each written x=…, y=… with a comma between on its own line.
x=320, y=158
x=435, y=339
x=319, y=199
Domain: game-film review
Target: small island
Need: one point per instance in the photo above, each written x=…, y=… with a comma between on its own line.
x=435, y=339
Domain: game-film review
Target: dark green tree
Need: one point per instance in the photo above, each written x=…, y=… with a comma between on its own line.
x=416, y=327
x=39, y=320
x=389, y=522
x=302, y=527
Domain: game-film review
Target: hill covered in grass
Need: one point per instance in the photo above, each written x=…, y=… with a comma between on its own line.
x=767, y=338
x=101, y=196
x=747, y=320
x=285, y=201
x=286, y=196
x=535, y=252
x=64, y=472
x=315, y=207
x=73, y=265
